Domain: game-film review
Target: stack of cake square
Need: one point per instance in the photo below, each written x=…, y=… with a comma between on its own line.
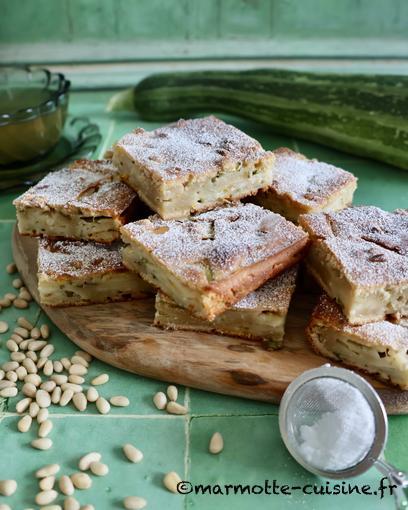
x=77, y=212
x=359, y=256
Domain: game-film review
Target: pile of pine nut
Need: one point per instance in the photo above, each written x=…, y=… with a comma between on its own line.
x=43, y=383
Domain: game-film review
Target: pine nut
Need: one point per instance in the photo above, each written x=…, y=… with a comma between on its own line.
x=87, y=357
x=51, y=507
x=46, y=497
x=47, y=483
x=10, y=295
x=66, y=486
x=8, y=487
x=2, y=374
x=216, y=443
x=21, y=373
x=9, y=392
x=56, y=395
x=134, y=503
x=71, y=504
x=45, y=331
x=76, y=379
x=57, y=366
x=29, y=365
x=59, y=379
x=11, y=268
x=41, y=363
x=100, y=379
x=81, y=481
x=175, y=408
x=17, y=338
x=3, y=326
x=24, y=294
x=76, y=388
x=80, y=401
x=34, y=379
x=78, y=369
x=171, y=480
x=48, y=369
x=160, y=400
x=102, y=405
x=43, y=443
x=23, y=332
x=23, y=344
x=43, y=398
x=5, y=303
x=78, y=360
x=132, y=453
x=17, y=283
x=86, y=460
x=99, y=469
x=34, y=409
x=24, y=423
x=12, y=345
x=65, y=363
x=45, y=428
x=48, y=386
x=23, y=405
x=11, y=376
x=10, y=365
x=7, y=384
x=3, y=506
x=49, y=470
x=35, y=333
x=119, y=401
x=20, y=303
x=19, y=357
x=66, y=397
x=36, y=345
x=87, y=507
x=42, y=416
x=47, y=351
x=172, y=392
x=92, y=394
x=25, y=323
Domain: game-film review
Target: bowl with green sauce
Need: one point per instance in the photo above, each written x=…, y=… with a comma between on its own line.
x=33, y=110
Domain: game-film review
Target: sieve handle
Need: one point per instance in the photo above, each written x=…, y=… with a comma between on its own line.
x=395, y=477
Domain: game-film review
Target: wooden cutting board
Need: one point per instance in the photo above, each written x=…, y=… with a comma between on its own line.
x=122, y=335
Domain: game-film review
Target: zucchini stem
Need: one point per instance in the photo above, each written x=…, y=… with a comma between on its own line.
x=122, y=101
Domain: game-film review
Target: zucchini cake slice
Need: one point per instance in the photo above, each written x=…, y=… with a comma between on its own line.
x=192, y=165
x=86, y=201
x=79, y=273
x=261, y=315
x=359, y=256
x=379, y=348
x=209, y=262
x=301, y=186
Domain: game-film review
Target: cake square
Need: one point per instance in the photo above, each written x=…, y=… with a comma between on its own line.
x=210, y=261
x=80, y=273
x=192, y=165
x=378, y=348
x=86, y=201
x=360, y=257
x=301, y=186
x=261, y=315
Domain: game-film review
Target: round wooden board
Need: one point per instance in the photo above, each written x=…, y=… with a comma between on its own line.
x=122, y=335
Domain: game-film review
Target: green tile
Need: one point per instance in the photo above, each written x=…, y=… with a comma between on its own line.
x=154, y=19
x=397, y=445
x=203, y=19
x=242, y=19
x=7, y=210
x=161, y=441
x=204, y=403
x=87, y=18
x=253, y=453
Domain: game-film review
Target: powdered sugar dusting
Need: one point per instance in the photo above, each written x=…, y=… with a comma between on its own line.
x=92, y=186
x=77, y=259
x=371, y=245
x=382, y=333
x=274, y=295
x=190, y=147
x=211, y=246
x=307, y=181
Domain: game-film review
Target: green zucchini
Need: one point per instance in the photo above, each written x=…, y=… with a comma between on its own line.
x=366, y=115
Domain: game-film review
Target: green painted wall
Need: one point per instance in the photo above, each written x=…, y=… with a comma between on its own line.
x=134, y=30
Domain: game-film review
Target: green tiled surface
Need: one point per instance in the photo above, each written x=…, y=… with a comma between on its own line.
x=253, y=449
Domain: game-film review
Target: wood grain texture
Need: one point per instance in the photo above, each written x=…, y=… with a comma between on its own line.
x=122, y=335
